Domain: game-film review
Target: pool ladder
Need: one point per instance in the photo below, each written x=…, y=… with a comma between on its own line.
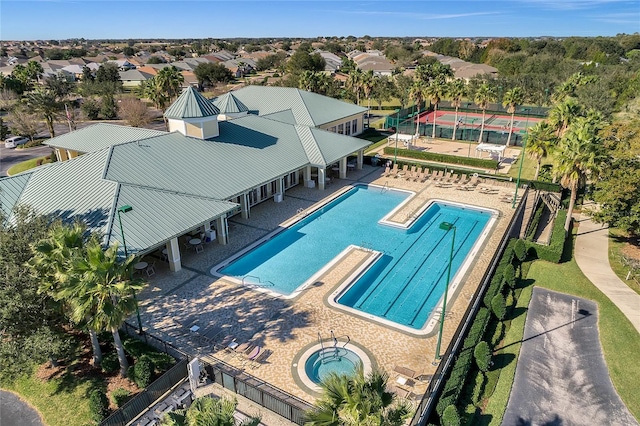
x=258, y=284
x=331, y=351
x=385, y=187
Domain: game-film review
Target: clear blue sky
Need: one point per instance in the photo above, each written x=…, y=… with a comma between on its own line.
x=60, y=19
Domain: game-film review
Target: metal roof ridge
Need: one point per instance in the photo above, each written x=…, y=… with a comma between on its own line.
x=183, y=194
x=112, y=213
x=306, y=108
x=308, y=131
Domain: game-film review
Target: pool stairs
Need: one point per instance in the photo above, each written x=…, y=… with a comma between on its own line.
x=260, y=284
x=331, y=351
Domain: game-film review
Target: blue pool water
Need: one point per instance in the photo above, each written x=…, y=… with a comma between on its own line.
x=319, y=365
x=403, y=286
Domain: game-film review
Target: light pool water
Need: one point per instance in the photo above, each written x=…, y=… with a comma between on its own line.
x=407, y=281
x=321, y=363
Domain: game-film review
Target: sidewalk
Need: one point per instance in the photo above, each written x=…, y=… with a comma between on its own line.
x=592, y=256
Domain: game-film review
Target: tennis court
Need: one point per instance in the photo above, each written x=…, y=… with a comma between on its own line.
x=474, y=120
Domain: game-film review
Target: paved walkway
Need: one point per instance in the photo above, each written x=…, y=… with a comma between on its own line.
x=592, y=256
x=16, y=412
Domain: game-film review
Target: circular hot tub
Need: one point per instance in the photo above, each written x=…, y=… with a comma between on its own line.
x=317, y=362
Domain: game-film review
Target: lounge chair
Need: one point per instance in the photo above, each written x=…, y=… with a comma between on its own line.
x=412, y=173
x=394, y=171
x=419, y=174
x=404, y=171
x=405, y=372
x=257, y=361
x=425, y=175
x=402, y=393
x=252, y=355
x=387, y=171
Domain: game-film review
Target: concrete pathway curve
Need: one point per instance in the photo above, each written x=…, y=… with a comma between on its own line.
x=16, y=412
x=592, y=256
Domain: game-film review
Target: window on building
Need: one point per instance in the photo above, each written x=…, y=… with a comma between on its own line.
x=347, y=128
x=333, y=129
x=354, y=126
x=341, y=129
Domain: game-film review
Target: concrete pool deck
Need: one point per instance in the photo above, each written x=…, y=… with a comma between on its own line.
x=286, y=327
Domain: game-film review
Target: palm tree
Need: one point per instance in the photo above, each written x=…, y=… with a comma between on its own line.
x=579, y=153
x=152, y=90
x=368, y=81
x=170, y=79
x=435, y=91
x=417, y=94
x=563, y=114
x=511, y=100
x=357, y=400
x=483, y=97
x=308, y=81
x=540, y=141
x=46, y=104
x=207, y=411
x=456, y=90
x=51, y=262
x=105, y=287
x=354, y=82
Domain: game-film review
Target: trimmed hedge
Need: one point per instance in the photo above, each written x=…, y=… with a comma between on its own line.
x=442, y=158
x=451, y=417
x=535, y=221
x=499, y=306
x=552, y=252
x=482, y=355
x=543, y=186
x=120, y=396
x=98, y=405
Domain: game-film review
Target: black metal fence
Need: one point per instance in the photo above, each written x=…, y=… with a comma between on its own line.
x=430, y=398
x=139, y=403
x=239, y=381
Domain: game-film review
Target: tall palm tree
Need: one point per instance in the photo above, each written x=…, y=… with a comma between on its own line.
x=456, y=91
x=435, y=91
x=308, y=81
x=563, y=114
x=354, y=82
x=540, y=141
x=51, y=262
x=152, y=90
x=417, y=95
x=170, y=79
x=106, y=287
x=511, y=100
x=206, y=411
x=579, y=153
x=368, y=81
x=45, y=103
x=483, y=97
x=357, y=400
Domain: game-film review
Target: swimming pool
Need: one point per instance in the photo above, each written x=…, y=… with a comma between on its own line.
x=406, y=281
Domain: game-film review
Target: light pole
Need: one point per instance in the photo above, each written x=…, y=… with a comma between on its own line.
x=466, y=114
x=524, y=147
x=395, y=153
x=473, y=120
x=446, y=226
x=125, y=209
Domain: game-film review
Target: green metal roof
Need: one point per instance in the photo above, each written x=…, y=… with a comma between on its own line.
x=191, y=104
x=307, y=108
x=228, y=103
x=101, y=135
x=10, y=191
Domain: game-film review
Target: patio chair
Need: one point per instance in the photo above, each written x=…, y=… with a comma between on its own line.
x=151, y=269
x=387, y=171
x=394, y=171
x=252, y=355
x=419, y=174
x=425, y=175
x=405, y=372
x=412, y=173
x=258, y=361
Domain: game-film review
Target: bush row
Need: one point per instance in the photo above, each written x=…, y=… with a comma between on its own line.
x=442, y=158
x=552, y=252
x=543, y=186
x=458, y=375
x=533, y=226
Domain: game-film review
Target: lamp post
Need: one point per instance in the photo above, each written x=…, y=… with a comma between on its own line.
x=395, y=153
x=446, y=226
x=473, y=120
x=524, y=147
x=466, y=114
x=125, y=209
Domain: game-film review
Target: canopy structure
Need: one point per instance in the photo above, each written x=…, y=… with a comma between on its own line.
x=401, y=137
x=491, y=149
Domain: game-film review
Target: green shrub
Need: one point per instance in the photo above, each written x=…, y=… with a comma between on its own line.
x=120, y=396
x=450, y=417
x=552, y=252
x=499, y=306
x=91, y=108
x=509, y=275
x=482, y=355
x=520, y=250
x=143, y=371
x=98, y=405
x=533, y=225
x=478, y=388
x=497, y=334
x=442, y=158
x=110, y=363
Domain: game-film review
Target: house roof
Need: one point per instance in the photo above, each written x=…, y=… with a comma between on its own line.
x=100, y=135
x=228, y=103
x=309, y=109
x=157, y=215
x=191, y=104
x=134, y=75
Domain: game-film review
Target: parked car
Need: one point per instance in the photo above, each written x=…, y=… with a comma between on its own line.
x=14, y=141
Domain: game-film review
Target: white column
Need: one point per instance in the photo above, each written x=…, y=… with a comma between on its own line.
x=322, y=173
x=173, y=254
x=207, y=226
x=244, y=206
x=221, y=228
x=280, y=186
x=343, y=168
x=360, y=160
x=308, y=183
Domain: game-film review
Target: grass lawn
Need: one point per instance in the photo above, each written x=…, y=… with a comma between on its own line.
x=620, y=340
x=61, y=401
x=26, y=165
x=618, y=244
